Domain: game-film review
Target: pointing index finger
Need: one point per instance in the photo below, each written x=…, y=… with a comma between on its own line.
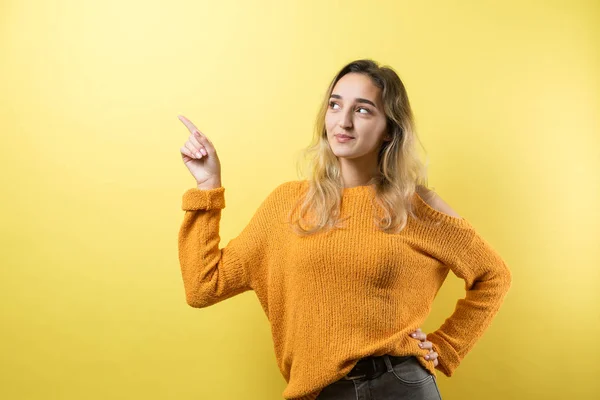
x=188, y=124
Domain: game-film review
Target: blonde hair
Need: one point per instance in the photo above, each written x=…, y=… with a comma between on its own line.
x=400, y=168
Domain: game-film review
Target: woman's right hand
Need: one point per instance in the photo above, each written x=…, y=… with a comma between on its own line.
x=200, y=157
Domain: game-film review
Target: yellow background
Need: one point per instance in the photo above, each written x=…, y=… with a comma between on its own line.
x=506, y=97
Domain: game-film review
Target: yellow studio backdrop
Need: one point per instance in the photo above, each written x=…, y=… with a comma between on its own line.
x=506, y=97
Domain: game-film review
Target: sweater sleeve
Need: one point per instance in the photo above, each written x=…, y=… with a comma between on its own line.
x=487, y=280
x=212, y=274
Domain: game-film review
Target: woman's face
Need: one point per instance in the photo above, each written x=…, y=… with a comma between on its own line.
x=356, y=110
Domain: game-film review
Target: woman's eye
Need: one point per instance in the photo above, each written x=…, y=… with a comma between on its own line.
x=331, y=104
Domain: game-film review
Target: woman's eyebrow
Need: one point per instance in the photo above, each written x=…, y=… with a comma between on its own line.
x=358, y=100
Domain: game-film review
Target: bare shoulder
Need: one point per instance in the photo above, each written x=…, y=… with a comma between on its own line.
x=435, y=201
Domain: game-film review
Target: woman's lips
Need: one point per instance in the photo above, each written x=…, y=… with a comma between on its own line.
x=343, y=138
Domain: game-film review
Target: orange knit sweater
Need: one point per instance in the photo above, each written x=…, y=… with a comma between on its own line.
x=334, y=298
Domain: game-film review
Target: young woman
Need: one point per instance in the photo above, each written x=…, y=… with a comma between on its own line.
x=346, y=264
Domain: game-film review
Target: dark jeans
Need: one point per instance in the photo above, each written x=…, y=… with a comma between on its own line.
x=407, y=380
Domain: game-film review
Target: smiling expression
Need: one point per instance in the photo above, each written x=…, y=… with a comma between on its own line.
x=355, y=110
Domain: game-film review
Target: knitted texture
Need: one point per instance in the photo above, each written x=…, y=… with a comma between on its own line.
x=335, y=297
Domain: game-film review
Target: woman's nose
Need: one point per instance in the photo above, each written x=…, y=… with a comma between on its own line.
x=345, y=119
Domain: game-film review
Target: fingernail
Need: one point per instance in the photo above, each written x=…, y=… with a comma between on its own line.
x=420, y=344
x=198, y=155
x=427, y=357
x=413, y=334
x=203, y=151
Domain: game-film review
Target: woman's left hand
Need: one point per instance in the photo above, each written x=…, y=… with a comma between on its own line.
x=424, y=344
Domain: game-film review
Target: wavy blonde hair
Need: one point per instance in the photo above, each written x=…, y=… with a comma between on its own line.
x=400, y=168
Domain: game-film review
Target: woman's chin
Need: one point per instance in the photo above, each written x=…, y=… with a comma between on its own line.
x=344, y=154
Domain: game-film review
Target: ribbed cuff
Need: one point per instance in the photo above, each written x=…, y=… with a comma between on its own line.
x=203, y=199
x=448, y=359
